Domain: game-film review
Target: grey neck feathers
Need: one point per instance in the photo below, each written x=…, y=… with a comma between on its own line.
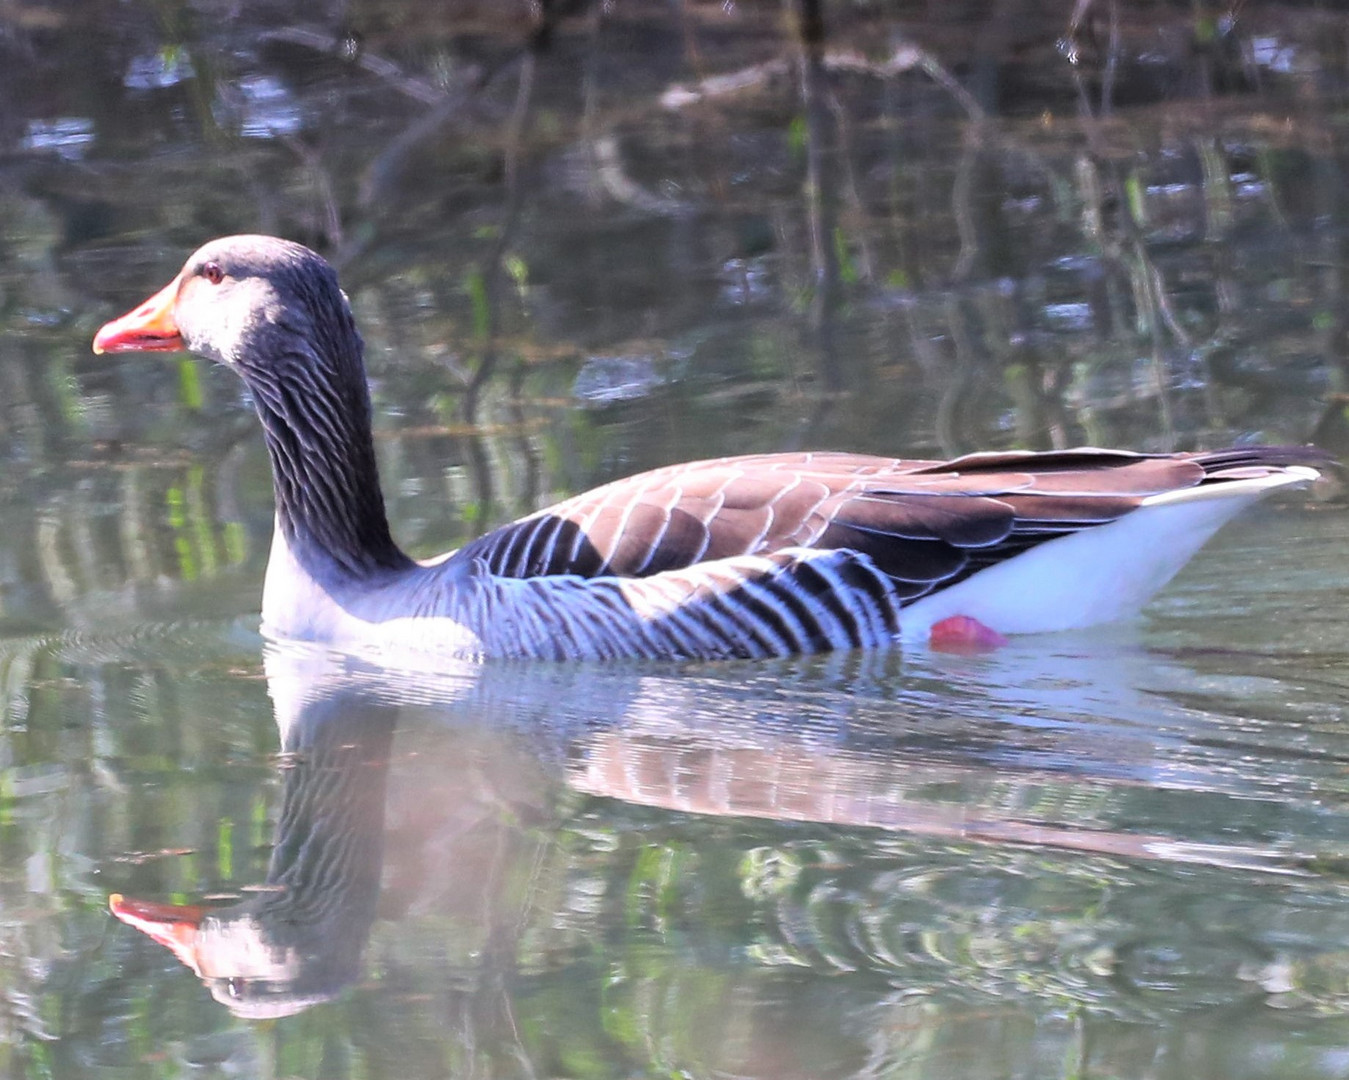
x=309, y=388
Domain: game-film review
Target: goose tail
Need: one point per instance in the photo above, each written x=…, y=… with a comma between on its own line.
x=1109, y=572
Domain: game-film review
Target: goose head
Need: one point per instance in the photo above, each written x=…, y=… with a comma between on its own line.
x=244, y=301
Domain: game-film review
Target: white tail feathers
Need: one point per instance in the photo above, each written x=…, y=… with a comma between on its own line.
x=1098, y=574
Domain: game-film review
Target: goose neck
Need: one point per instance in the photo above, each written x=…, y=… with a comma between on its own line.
x=316, y=418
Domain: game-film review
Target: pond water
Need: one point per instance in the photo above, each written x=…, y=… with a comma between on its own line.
x=639, y=233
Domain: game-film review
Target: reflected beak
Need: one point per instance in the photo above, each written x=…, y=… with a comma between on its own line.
x=172, y=925
x=149, y=328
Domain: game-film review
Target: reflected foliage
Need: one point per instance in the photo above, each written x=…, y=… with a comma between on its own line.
x=949, y=243
x=791, y=869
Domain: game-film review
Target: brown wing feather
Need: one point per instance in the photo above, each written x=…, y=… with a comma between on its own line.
x=924, y=523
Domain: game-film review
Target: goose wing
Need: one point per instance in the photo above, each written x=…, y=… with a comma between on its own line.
x=922, y=523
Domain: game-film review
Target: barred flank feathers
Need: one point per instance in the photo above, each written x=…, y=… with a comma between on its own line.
x=794, y=601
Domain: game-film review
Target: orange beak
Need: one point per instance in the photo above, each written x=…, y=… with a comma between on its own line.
x=172, y=925
x=149, y=328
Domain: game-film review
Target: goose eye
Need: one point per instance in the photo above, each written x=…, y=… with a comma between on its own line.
x=212, y=273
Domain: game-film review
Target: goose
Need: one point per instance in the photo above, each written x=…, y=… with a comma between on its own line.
x=751, y=556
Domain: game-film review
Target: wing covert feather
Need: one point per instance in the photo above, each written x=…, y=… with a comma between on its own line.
x=922, y=523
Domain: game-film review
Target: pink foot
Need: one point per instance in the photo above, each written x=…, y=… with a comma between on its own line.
x=962, y=634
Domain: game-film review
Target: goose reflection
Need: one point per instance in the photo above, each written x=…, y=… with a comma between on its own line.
x=827, y=740
x=299, y=941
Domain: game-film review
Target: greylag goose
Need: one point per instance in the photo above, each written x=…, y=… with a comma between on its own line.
x=753, y=556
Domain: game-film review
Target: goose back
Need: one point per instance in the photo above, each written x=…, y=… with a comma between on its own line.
x=923, y=524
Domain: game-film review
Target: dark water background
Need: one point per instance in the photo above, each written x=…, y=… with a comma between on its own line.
x=584, y=239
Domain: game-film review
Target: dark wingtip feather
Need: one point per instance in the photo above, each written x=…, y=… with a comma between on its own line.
x=1268, y=457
